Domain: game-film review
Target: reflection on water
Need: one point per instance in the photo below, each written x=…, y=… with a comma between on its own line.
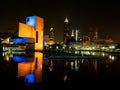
x=33, y=68
x=24, y=68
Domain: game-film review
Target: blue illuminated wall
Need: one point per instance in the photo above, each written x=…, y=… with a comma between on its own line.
x=18, y=40
x=21, y=40
x=31, y=21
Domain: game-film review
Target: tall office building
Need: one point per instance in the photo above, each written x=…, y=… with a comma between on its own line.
x=76, y=35
x=51, y=34
x=96, y=34
x=66, y=31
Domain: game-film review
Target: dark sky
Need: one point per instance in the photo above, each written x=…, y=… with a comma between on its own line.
x=105, y=15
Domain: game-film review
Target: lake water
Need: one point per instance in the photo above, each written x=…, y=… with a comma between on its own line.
x=32, y=70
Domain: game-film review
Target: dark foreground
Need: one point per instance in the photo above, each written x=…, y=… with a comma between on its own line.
x=76, y=83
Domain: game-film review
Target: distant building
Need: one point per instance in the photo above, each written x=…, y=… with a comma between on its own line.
x=51, y=34
x=51, y=37
x=66, y=31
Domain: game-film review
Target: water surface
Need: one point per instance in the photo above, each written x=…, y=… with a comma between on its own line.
x=32, y=70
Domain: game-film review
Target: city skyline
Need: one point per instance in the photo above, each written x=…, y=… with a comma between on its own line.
x=82, y=15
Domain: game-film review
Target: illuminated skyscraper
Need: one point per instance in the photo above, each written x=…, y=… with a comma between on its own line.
x=73, y=33
x=76, y=34
x=66, y=31
x=96, y=34
x=51, y=34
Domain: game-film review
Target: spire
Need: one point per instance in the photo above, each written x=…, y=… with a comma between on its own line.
x=66, y=20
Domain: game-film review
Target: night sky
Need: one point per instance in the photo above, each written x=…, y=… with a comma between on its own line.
x=82, y=15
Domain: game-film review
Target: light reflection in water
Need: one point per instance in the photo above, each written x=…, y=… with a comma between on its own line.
x=29, y=66
x=87, y=67
x=34, y=68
